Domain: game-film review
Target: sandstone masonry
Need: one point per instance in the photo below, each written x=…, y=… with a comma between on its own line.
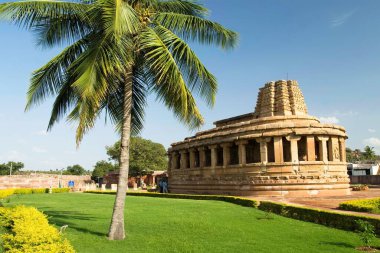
x=277, y=150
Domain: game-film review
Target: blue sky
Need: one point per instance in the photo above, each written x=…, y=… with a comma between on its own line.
x=332, y=47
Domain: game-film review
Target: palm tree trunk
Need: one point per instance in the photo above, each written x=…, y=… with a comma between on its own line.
x=117, y=231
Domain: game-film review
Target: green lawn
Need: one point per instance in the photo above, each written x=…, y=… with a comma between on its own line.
x=175, y=225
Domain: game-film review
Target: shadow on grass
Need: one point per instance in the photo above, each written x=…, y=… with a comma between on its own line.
x=61, y=218
x=339, y=244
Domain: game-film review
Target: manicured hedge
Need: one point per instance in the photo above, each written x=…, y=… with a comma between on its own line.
x=29, y=232
x=8, y=192
x=60, y=190
x=362, y=205
x=330, y=219
x=231, y=199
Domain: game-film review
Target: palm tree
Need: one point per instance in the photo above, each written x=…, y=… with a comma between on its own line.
x=369, y=154
x=118, y=51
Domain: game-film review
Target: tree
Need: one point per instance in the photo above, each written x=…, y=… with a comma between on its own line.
x=145, y=156
x=120, y=50
x=369, y=153
x=5, y=168
x=75, y=170
x=102, y=168
x=349, y=155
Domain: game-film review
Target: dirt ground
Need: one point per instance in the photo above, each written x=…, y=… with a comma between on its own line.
x=327, y=203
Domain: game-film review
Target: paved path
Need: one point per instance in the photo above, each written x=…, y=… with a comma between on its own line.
x=327, y=203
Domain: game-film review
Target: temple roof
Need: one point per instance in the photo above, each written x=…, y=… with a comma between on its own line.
x=280, y=98
x=276, y=98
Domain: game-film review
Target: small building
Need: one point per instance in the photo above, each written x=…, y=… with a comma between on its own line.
x=277, y=150
x=358, y=169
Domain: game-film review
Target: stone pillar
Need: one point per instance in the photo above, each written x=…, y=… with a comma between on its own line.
x=213, y=155
x=342, y=147
x=242, y=152
x=192, y=158
x=278, y=150
x=202, y=157
x=174, y=160
x=310, y=148
x=335, y=149
x=294, y=147
x=170, y=163
x=183, y=159
x=226, y=154
x=264, y=149
x=323, y=148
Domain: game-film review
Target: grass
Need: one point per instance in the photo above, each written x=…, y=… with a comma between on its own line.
x=176, y=225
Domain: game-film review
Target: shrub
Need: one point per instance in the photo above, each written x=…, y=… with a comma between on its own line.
x=362, y=205
x=231, y=199
x=30, y=232
x=23, y=191
x=330, y=219
x=40, y=190
x=60, y=190
x=366, y=232
x=6, y=193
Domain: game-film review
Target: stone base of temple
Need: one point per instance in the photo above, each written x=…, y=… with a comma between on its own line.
x=286, y=190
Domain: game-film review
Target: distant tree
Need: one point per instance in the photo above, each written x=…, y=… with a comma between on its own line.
x=75, y=170
x=6, y=167
x=369, y=154
x=101, y=168
x=145, y=156
x=357, y=155
x=349, y=155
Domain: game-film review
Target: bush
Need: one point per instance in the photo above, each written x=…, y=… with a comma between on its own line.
x=30, y=232
x=6, y=193
x=366, y=232
x=362, y=205
x=231, y=199
x=40, y=190
x=23, y=191
x=60, y=190
x=330, y=219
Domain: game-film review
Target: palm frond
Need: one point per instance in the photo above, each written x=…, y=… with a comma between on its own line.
x=182, y=7
x=28, y=14
x=115, y=101
x=48, y=80
x=118, y=18
x=198, y=78
x=167, y=78
x=192, y=28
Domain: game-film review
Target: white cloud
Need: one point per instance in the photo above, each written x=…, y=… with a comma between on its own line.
x=341, y=19
x=330, y=119
x=41, y=133
x=39, y=150
x=371, y=130
x=373, y=141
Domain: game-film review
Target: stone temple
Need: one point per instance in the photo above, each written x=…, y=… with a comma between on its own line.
x=277, y=150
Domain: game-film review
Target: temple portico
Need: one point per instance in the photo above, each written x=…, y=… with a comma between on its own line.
x=277, y=150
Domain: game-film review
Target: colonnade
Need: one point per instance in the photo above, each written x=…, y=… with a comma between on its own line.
x=279, y=149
